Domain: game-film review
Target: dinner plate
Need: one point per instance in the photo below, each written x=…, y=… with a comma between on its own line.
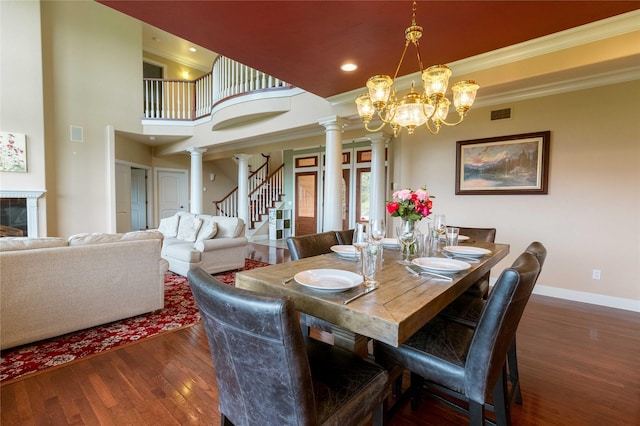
x=460, y=237
x=467, y=251
x=330, y=280
x=345, y=251
x=441, y=265
x=390, y=242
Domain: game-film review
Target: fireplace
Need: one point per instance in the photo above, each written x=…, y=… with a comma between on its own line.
x=19, y=213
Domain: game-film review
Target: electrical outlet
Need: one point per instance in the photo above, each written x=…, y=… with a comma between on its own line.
x=596, y=274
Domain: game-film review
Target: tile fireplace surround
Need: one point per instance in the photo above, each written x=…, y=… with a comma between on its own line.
x=32, y=208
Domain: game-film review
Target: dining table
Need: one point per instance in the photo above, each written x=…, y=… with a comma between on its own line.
x=402, y=303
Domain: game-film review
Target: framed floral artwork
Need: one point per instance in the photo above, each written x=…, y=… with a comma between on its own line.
x=13, y=152
x=515, y=164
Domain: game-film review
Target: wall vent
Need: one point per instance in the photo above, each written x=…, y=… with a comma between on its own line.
x=501, y=114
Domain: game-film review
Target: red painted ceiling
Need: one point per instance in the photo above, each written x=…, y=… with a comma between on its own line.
x=305, y=42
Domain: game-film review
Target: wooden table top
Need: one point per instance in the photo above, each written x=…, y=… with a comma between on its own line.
x=397, y=309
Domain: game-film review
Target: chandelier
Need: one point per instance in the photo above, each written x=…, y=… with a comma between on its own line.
x=430, y=108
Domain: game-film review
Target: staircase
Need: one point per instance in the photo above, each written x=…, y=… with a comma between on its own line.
x=265, y=192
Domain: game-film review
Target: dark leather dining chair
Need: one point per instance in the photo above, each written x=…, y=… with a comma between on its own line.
x=269, y=374
x=301, y=246
x=345, y=236
x=488, y=235
x=465, y=362
x=466, y=310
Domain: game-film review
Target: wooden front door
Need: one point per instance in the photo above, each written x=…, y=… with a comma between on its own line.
x=306, y=190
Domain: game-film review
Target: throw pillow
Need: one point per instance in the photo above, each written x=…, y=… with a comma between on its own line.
x=208, y=229
x=169, y=226
x=188, y=228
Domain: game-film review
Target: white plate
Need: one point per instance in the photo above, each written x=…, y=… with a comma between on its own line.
x=460, y=238
x=330, y=280
x=439, y=264
x=467, y=251
x=345, y=251
x=390, y=242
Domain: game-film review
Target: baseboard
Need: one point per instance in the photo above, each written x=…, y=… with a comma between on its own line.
x=584, y=297
x=594, y=299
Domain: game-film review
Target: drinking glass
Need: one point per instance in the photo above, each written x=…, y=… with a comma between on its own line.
x=377, y=230
x=360, y=241
x=407, y=236
x=439, y=228
x=370, y=264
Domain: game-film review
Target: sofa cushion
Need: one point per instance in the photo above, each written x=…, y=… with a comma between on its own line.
x=184, y=252
x=209, y=228
x=228, y=227
x=101, y=238
x=27, y=243
x=169, y=226
x=188, y=228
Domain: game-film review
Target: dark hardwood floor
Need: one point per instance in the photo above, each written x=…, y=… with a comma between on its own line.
x=579, y=365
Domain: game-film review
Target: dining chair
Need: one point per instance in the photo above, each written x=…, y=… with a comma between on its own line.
x=466, y=310
x=488, y=235
x=268, y=373
x=465, y=362
x=301, y=246
x=345, y=236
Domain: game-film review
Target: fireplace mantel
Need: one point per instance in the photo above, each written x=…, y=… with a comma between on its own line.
x=32, y=207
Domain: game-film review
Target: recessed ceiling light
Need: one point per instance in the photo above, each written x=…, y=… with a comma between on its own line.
x=192, y=49
x=349, y=67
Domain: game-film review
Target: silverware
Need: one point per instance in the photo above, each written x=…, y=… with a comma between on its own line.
x=422, y=272
x=362, y=293
x=457, y=256
x=287, y=280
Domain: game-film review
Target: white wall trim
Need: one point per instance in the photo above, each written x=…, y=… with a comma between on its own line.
x=591, y=298
x=584, y=297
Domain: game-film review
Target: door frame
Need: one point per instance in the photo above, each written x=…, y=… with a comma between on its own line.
x=148, y=170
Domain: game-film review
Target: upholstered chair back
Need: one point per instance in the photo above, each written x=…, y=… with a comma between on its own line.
x=301, y=246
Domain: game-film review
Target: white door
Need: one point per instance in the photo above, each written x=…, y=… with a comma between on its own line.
x=173, y=192
x=123, y=198
x=138, y=199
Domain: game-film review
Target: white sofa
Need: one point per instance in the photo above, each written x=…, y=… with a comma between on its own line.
x=213, y=243
x=53, y=286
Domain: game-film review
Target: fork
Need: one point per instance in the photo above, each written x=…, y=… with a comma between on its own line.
x=454, y=256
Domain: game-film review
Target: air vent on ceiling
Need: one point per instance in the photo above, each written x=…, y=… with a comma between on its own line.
x=501, y=114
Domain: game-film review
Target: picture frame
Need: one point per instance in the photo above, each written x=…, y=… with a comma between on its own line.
x=507, y=165
x=13, y=152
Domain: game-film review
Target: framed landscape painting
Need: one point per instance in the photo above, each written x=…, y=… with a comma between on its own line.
x=13, y=152
x=516, y=164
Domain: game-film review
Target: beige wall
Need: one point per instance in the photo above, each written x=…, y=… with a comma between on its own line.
x=85, y=87
x=21, y=103
x=590, y=218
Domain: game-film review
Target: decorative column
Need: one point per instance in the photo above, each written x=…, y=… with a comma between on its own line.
x=378, y=190
x=332, y=213
x=196, y=179
x=243, y=187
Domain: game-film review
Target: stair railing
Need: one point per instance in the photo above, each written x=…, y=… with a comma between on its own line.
x=264, y=191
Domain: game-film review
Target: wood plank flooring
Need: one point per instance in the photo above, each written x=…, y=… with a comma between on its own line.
x=579, y=365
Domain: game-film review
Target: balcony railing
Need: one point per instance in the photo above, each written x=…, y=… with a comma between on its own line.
x=190, y=100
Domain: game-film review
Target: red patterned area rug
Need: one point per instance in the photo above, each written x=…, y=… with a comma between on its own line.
x=179, y=311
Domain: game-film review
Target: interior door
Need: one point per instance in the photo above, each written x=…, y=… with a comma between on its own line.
x=173, y=192
x=138, y=199
x=306, y=187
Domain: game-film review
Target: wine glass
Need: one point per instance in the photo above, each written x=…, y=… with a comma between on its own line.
x=407, y=236
x=360, y=241
x=377, y=230
x=439, y=228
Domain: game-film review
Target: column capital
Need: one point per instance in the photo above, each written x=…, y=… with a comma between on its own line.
x=378, y=137
x=240, y=157
x=196, y=151
x=334, y=122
